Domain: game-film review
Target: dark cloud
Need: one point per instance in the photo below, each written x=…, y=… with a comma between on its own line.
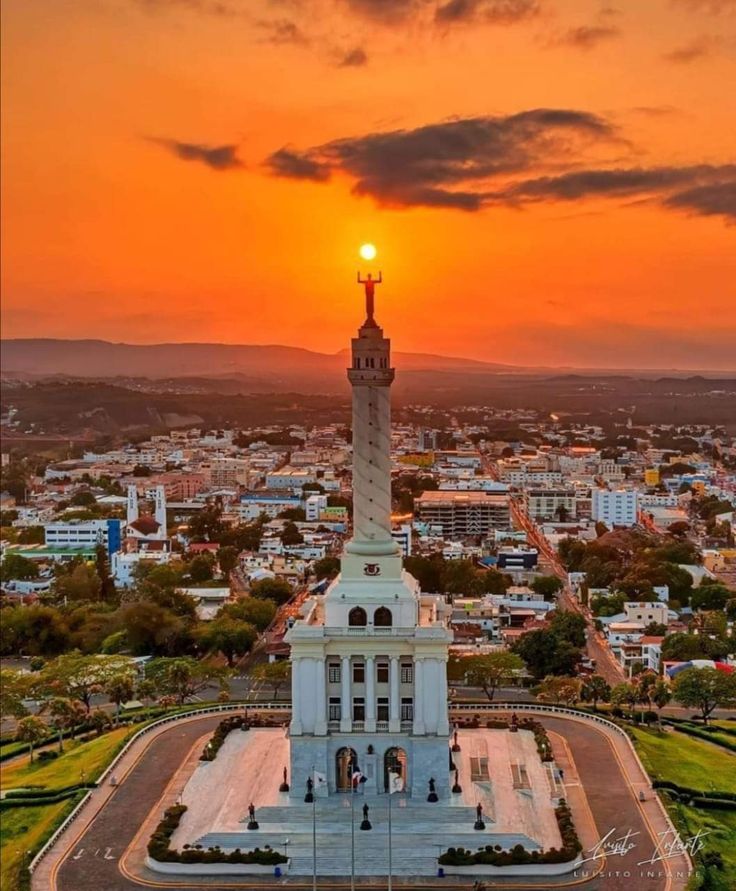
x=217, y=157
x=587, y=37
x=354, y=59
x=717, y=199
x=385, y=11
x=690, y=52
x=284, y=31
x=294, y=165
x=474, y=163
x=497, y=12
x=430, y=164
x=209, y=7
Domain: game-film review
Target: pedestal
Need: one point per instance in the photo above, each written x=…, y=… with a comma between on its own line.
x=366, y=824
x=253, y=824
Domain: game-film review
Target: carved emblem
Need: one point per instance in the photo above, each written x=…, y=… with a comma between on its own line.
x=371, y=569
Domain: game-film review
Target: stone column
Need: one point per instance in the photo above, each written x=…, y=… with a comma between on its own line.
x=394, y=714
x=296, y=697
x=370, y=694
x=443, y=725
x=418, y=697
x=346, y=712
x=320, y=720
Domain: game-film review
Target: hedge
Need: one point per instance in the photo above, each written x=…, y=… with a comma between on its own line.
x=495, y=856
x=235, y=722
x=703, y=734
x=158, y=847
x=45, y=793
x=30, y=801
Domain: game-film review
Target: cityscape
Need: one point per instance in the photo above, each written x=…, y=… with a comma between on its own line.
x=368, y=446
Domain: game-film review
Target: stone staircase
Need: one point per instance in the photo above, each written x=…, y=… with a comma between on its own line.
x=420, y=831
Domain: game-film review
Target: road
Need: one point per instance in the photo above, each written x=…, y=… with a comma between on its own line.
x=91, y=862
x=596, y=647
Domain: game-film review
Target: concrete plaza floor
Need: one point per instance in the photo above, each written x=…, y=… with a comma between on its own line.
x=498, y=769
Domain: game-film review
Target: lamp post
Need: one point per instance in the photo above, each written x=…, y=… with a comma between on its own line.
x=286, y=849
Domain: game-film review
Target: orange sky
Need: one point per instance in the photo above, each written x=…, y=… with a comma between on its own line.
x=120, y=223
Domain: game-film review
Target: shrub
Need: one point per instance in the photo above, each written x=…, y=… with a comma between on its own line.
x=158, y=847
x=47, y=756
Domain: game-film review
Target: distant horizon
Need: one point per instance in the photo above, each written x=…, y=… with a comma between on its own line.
x=729, y=371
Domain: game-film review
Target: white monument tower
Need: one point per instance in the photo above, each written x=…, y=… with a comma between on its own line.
x=369, y=682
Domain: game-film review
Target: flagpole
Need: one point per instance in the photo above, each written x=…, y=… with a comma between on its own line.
x=352, y=827
x=314, y=837
x=390, y=796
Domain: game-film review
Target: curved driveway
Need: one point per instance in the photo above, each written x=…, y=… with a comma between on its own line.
x=88, y=859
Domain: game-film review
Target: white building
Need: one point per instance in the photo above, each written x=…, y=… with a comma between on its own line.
x=84, y=534
x=313, y=507
x=617, y=507
x=369, y=682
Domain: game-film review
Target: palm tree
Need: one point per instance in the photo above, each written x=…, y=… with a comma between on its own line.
x=661, y=695
x=595, y=689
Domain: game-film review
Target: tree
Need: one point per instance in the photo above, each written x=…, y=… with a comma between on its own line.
x=706, y=689
x=494, y=582
x=31, y=730
x=82, y=583
x=710, y=597
x=683, y=647
x=595, y=689
x=326, y=568
x=626, y=694
x=545, y=653
x=102, y=566
x=559, y=690
x=491, y=671
x=568, y=626
x=274, y=674
x=75, y=676
x=206, y=525
x=230, y=637
x=277, y=590
x=146, y=690
x=227, y=557
x=179, y=677
x=100, y=721
x=259, y=612
x=201, y=568
x=120, y=688
x=65, y=714
x=655, y=629
x=661, y=695
x=549, y=586
x=14, y=688
x=152, y=629
x=15, y=566
x=291, y=535
x=83, y=498
x=33, y=631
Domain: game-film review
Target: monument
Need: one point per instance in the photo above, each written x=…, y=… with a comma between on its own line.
x=369, y=658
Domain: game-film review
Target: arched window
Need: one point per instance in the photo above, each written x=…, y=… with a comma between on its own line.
x=357, y=616
x=382, y=617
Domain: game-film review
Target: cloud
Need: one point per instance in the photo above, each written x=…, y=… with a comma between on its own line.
x=717, y=199
x=474, y=163
x=217, y=157
x=587, y=37
x=208, y=7
x=355, y=58
x=430, y=165
x=294, y=165
x=714, y=7
x=385, y=11
x=495, y=12
x=690, y=52
x=284, y=31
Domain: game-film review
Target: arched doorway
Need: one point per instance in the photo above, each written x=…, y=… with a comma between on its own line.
x=346, y=764
x=357, y=616
x=394, y=761
x=382, y=617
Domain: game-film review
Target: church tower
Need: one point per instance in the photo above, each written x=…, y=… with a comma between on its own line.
x=369, y=680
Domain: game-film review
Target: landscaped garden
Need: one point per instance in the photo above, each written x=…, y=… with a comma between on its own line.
x=692, y=764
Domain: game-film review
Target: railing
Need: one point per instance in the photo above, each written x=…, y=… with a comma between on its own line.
x=363, y=630
x=358, y=725
x=382, y=726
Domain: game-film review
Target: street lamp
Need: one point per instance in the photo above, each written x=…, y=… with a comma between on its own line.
x=286, y=848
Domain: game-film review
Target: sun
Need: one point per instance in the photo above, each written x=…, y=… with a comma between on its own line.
x=368, y=251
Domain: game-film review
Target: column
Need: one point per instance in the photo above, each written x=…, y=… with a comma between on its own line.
x=346, y=710
x=370, y=694
x=418, y=697
x=443, y=725
x=296, y=698
x=320, y=720
x=394, y=714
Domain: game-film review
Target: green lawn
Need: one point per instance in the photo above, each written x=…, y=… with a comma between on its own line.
x=686, y=761
x=92, y=757
x=719, y=834
x=26, y=829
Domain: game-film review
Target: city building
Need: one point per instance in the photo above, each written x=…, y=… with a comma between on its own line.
x=617, y=507
x=463, y=514
x=86, y=534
